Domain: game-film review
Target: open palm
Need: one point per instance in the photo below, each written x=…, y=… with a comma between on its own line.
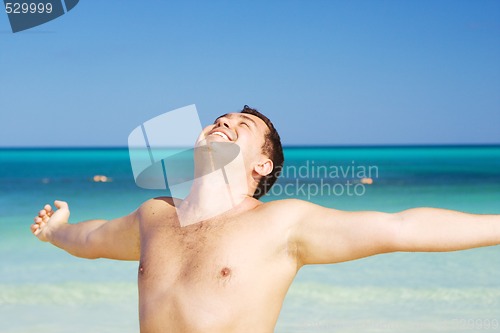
x=48, y=220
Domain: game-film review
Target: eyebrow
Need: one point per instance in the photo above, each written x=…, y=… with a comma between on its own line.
x=241, y=115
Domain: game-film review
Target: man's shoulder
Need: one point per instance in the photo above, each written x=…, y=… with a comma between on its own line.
x=153, y=205
x=289, y=209
x=292, y=204
x=294, y=210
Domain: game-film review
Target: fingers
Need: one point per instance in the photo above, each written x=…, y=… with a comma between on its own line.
x=39, y=224
x=36, y=229
x=45, y=214
x=41, y=219
x=61, y=204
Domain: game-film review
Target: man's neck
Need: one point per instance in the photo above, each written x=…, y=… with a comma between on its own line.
x=214, y=193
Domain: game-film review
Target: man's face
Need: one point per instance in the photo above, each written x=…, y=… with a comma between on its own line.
x=245, y=130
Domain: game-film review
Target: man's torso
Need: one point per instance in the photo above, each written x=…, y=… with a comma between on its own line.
x=227, y=274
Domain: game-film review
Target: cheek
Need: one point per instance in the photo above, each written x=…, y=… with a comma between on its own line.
x=204, y=133
x=251, y=151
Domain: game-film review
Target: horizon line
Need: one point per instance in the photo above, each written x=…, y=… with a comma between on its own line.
x=313, y=146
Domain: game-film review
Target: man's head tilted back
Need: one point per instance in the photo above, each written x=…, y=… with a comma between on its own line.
x=259, y=142
x=272, y=149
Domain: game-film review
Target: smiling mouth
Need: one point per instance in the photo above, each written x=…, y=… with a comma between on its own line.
x=222, y=135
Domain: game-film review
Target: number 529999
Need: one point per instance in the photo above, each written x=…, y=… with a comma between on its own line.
x=24, y=8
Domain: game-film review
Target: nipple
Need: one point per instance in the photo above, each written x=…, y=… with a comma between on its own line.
x=141, y=269
x=225, y=272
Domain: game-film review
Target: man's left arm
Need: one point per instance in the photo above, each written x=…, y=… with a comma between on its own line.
x=439, y=230
x=325, y=235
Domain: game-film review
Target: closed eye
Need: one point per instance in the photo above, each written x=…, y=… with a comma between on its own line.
x=243, y=123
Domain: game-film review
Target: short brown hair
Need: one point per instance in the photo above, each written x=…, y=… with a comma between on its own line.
x=272, y=148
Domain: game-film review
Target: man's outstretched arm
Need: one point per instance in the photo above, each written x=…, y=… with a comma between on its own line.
x=326, y=235
x=113, y=239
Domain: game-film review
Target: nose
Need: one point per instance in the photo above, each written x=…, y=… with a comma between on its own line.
x=222, y=122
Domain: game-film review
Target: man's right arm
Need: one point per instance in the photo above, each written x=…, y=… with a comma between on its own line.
x=114, y=239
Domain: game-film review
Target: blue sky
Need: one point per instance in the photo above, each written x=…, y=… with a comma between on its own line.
x=326, y=72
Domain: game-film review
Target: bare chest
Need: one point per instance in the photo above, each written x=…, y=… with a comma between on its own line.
x=217, y=272
x=205, y=253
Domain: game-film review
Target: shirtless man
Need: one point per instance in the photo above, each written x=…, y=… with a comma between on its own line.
x=230, y=272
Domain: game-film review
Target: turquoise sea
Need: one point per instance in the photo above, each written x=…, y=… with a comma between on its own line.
x=43, y=289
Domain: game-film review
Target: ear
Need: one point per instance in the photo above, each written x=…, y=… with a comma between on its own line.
x=264, y=167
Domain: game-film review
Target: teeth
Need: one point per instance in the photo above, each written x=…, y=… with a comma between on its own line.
x=222, y=135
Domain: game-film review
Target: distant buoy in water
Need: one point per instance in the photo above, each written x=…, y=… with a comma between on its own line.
x=366, y=181
x=101, y=179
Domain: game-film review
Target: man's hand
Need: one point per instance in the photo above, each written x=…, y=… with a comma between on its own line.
x=113, y=239
x=48, y=220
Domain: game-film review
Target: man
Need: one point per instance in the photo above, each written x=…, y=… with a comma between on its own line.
x=227, y=268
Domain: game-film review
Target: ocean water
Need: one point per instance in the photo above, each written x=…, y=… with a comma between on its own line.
x=43, y=289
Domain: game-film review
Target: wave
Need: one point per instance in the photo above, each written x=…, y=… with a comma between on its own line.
x=66, y=293
x=316, y=292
